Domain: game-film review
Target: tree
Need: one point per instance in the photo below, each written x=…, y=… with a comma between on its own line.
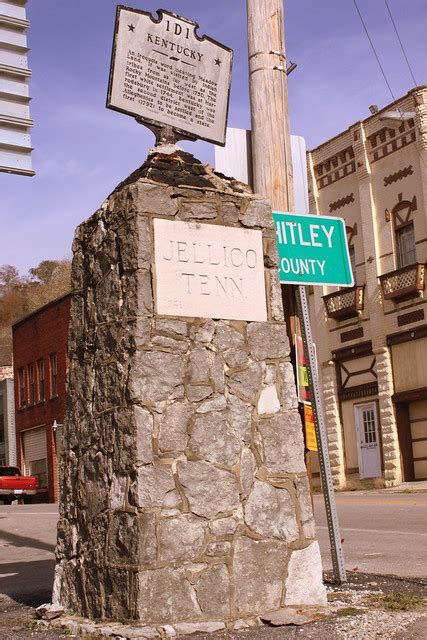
x=9, y=277
x=20, y=295
x=44, y=272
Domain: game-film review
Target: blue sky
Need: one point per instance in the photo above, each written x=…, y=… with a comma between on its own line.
x=82, y=150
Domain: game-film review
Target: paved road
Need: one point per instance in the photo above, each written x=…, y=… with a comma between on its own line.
x=27, y=545
x=382, y=533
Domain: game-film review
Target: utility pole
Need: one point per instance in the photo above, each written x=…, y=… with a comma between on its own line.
x=273, y=178
x=268, y=85
x=270, y=130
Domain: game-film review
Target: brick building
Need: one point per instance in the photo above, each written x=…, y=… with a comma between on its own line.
x=372, y=339
x=40, y=362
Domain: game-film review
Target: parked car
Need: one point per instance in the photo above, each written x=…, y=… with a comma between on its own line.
x=13, y=485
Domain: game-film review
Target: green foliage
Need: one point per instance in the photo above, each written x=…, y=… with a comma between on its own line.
x=398, y=601
x=20, y=295
x=45, y=272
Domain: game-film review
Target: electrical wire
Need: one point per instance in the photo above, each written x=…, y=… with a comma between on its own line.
x=398, y=108
x=381, y=67
x=400, y=42
x=374, y=50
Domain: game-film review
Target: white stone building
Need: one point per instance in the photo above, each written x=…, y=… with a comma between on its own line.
x=7, y=420
x=372, y=339
x=15, y=120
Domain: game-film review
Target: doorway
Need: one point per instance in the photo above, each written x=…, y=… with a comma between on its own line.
x=368, y=446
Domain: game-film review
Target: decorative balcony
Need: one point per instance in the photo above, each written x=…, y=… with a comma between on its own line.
x=404, y=283
x=344, y=303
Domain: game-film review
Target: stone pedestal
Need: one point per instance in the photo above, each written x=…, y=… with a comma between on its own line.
x=184, y=491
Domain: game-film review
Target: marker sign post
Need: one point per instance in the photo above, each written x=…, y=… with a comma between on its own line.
x=313, y=250
x=166, y=75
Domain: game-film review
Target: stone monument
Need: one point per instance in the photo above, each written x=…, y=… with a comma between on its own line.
x=184, y=491
x=184, y=503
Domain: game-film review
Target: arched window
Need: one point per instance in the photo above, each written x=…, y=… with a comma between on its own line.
x=404, y=232
x=351, y=232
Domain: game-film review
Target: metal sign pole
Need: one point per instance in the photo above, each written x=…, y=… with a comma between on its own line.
x=322, y=441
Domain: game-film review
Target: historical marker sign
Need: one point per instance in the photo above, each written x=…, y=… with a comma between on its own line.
x=209, y=271
x=164, y=74
x=312, y=250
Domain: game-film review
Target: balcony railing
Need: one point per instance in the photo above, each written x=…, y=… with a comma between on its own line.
x=345, y=303
x=404, y=283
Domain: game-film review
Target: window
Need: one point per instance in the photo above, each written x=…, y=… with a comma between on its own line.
x=31, y=383
x=369, y=428
x=9, y=472
x=40, y=376
x=405, y=245
x=53, y=375
x=38, y=468
x=352, y=255
x=22, y=389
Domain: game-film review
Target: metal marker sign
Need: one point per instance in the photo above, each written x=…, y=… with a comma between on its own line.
x=163, y=73
x=312, y=250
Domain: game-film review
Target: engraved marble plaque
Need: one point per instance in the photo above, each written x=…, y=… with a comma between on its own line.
x=165, y=74
x=209, y=271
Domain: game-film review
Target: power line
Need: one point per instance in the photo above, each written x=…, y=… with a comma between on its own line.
x=400, y=42
x=381, y=67
x=374, y=50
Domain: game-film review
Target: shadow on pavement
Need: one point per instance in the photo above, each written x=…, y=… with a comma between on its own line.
x=24, y=541
x=28, y=583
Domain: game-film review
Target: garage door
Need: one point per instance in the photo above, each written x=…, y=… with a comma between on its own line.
x=35, y=454
x=418, y=419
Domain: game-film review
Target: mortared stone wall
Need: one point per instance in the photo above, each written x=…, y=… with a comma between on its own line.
x=184, y=491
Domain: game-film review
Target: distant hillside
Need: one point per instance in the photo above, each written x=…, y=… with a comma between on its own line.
x=20, y=295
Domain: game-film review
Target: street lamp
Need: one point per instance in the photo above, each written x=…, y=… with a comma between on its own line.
x=394, y=119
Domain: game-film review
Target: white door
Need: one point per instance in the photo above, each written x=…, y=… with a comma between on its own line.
x=368, y=448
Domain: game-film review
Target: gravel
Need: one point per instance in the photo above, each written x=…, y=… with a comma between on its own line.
x=357, y=612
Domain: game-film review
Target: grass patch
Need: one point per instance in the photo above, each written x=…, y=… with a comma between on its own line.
x=398, y=601
x=349, y=611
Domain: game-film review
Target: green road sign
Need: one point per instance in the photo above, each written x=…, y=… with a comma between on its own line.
x=312, y=250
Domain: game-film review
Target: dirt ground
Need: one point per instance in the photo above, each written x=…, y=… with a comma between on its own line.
x=367, y=607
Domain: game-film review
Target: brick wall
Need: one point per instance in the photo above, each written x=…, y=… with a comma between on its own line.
x=35, y=338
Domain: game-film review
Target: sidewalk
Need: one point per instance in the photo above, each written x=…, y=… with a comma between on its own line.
x=406, y=487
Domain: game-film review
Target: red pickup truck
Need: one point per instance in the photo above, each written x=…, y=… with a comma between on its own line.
x=13, y=485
